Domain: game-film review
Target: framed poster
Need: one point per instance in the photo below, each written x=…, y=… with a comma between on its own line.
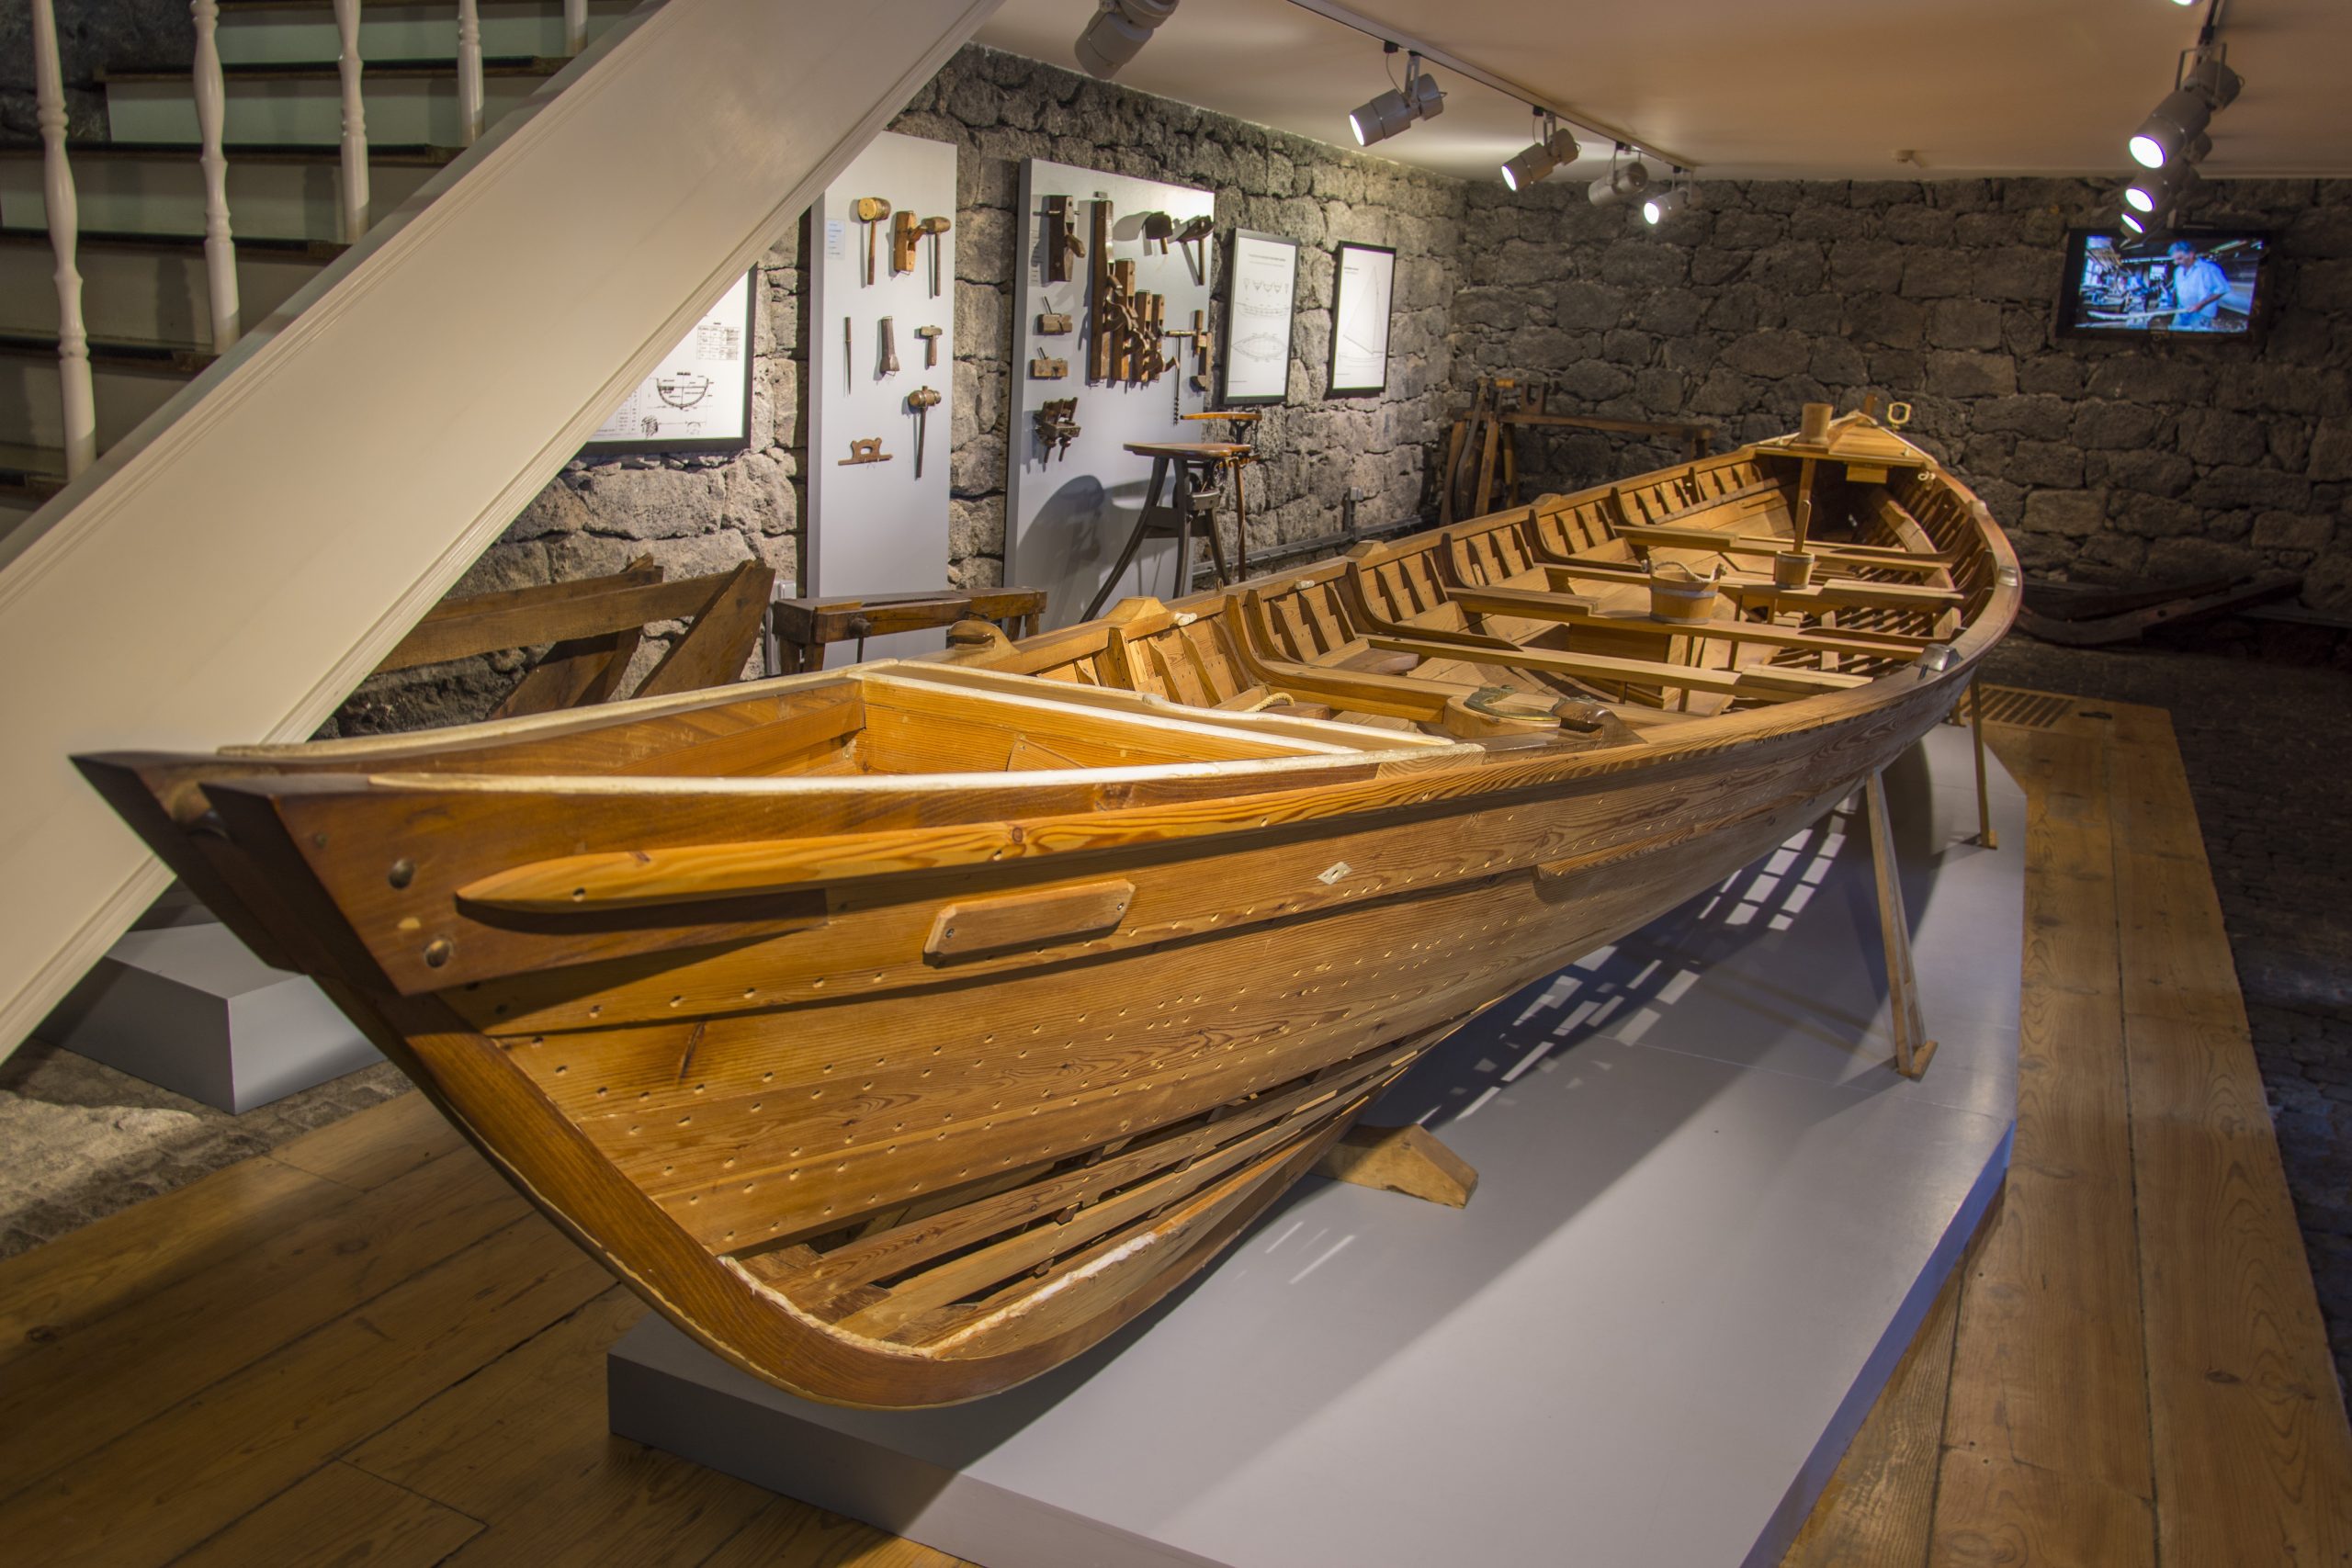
x=1363, y=285
x=699, y=397
x=1259, y=293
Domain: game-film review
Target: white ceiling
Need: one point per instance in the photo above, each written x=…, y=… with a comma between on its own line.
x=1824, y=89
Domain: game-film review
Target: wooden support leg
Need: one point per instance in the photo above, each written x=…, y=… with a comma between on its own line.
x=1407, y=1159
x=1911, y=1046
x=1134, y=541
x=1985, y=834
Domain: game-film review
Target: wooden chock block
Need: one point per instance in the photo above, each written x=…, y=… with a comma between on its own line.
x=1407, y=1159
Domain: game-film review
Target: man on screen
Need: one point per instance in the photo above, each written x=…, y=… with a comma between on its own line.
x=2198, y=287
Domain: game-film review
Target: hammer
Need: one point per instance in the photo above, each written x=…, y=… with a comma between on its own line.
x=870, y=211
x=931, y=228
x=930, y=336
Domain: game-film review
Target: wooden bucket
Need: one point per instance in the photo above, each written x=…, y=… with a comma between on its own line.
x=1791, y=568
x=1678, y=593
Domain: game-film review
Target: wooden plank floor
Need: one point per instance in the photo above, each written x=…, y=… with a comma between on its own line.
x=2129, y=1367
x=365, y=1348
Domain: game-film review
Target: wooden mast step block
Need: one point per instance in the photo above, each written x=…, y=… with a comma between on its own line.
x=1407, y=1159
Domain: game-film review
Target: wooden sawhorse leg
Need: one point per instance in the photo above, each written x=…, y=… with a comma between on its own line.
x=1135, y=539
x=1912, y=1047
x=1985, y=834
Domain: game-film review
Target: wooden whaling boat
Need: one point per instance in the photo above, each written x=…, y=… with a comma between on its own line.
x=900, y=1031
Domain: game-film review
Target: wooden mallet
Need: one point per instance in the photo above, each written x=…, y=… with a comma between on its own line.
x=920, y=402
x=930, y=336
x=870, y=211
x=931, y=228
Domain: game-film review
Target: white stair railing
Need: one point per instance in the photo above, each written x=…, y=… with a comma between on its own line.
x=470, y=69
x=355, y=123
x=211, y=111
x=65, y=233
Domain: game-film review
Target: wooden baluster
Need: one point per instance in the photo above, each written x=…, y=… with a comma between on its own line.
x=65, y=225
x=575, y=25
x=470, y=69
x=211, y=109
x=355, y=123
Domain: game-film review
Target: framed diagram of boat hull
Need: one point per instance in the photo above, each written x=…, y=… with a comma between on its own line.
x=1260, y=290
x=698, y=398
x=1363, y=292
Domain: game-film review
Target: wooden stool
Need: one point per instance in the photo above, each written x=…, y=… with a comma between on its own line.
x=1193, y=473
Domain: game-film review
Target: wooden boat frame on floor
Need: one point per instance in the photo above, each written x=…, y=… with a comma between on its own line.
x=901, y=1031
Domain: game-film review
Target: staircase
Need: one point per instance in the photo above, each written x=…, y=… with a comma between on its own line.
x=146, y=302
x=422, y=333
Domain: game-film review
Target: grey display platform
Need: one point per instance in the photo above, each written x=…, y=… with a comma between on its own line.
x=182, y=1003
x=1710, y=1218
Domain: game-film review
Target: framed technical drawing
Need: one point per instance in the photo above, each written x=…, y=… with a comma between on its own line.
x=1363, y=285
x=699, y=397
x=1260, y=290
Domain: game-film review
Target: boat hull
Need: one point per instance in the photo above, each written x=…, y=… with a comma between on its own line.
x=898, y=1091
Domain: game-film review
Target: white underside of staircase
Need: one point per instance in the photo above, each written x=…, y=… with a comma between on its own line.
x=241, y=559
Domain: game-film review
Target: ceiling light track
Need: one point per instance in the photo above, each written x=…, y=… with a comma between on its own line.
x=1585, y=126
x=2174, y=138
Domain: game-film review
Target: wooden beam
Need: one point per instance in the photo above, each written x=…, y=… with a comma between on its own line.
x=1408, y=1159
x=1911, y=1046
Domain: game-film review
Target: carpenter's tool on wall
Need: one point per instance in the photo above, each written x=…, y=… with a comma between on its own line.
x=1052, y=325
x=1103, y=298
x=849, y=355
x=889, y=344
x=1044, y=369
x=920, y=402
x=1062, y=243
x=930, y=336
x=1203, y=344
x=932, y=229
x=1192, y=237
x=866, y=451
x=904, y=231
x=1056, y=424
x=1157, y=229
x=870, y=211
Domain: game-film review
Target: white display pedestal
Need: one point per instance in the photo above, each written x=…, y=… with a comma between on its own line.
x=188, y=1007
x=1710, y=1218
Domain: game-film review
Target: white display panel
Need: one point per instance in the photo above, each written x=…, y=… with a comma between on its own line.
x=1067, y=518
x=878, y=527
x=1360, y=301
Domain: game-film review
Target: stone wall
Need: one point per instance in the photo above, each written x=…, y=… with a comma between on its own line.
x=998, y=109
x=2106, y=460
x=92, y=36
x=705, y=513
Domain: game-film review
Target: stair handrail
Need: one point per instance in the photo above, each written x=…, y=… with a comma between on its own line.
x=234, y=566
x=79, y=394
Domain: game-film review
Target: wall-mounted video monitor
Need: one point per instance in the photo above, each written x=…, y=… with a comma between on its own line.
x=2199, y=285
